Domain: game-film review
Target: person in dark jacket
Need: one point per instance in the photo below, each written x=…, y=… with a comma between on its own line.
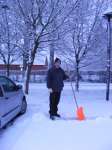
x=55, y=77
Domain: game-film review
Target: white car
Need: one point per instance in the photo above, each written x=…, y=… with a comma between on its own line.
x=12, y=100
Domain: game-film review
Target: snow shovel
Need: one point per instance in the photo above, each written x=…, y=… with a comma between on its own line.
x=79, y=112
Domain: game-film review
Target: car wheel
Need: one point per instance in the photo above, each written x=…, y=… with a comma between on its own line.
x=23, y=106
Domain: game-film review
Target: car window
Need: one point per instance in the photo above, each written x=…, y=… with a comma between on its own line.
x=7, y=84
x=1, y=93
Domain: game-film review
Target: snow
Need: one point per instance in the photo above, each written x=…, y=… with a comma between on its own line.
x=35, y=130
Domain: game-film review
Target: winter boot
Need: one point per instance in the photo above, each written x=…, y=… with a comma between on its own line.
x=52, y=117
x=57, y=115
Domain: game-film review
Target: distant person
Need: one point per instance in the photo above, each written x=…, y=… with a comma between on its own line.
x=55, y=77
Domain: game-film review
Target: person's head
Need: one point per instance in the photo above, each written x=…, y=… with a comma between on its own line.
x=57, y=62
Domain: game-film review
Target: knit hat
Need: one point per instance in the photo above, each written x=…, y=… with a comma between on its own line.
x=57, y=60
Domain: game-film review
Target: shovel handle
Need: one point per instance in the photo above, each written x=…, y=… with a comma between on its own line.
x=74, y=95
x=72, y=88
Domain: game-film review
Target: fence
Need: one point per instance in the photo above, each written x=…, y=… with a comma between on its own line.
x=40, y=76
x=36, y=76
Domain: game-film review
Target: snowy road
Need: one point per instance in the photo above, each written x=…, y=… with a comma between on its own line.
x=35, y=130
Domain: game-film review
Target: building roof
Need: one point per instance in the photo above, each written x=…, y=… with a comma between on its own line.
x=19, y=67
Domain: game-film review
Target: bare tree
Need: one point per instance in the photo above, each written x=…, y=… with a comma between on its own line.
x=40, y=16
x=79, y=42
x=8, y=37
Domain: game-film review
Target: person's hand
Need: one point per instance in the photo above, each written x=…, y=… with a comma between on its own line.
x=67, y=74
x=50, y=90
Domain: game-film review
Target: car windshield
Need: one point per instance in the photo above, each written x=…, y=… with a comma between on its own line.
x=7, y=84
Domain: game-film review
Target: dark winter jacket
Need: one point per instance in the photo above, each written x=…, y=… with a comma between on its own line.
x=55, y=79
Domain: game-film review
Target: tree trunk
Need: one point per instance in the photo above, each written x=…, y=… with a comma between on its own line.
x=28, y=73
x=77, y=77
x=26, y=48
x=51, y=55
x=52, y=45
x=7, y=70
x=29, y=67
x=25, y=63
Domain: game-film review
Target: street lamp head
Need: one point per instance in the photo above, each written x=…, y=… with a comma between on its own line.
x=5, y=7
x=108, y=15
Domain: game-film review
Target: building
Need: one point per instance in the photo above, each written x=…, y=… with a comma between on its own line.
x=38, y=73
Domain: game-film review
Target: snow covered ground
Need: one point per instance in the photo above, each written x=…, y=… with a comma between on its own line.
x=35, y=131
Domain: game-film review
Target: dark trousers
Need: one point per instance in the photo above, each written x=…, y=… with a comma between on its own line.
x=54, y=101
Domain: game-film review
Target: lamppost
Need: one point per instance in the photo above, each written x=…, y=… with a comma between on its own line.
x=108, y=17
